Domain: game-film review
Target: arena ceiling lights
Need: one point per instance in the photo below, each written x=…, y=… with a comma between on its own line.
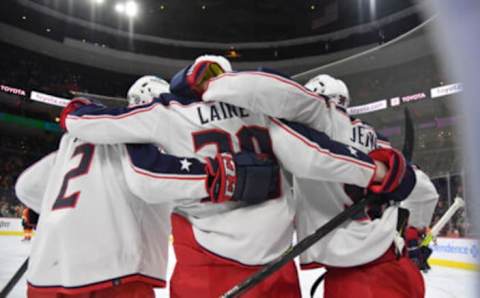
x=129, y=8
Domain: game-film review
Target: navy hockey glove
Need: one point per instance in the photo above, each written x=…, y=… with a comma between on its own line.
x=356, y=193
x=401, y=192
x=418, y=253
x=404, y=188
x=419, y=256
x=73, y=105
x=245, y=177
x=179, y=85
x=192, y=81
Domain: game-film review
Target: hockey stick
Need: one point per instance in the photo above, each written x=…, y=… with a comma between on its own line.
x=14, y=280
x=300, y=247
x=99, y=97
x=457, y=204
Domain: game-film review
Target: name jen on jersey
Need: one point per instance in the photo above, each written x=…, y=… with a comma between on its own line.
x=364, y=136
x=219, y=111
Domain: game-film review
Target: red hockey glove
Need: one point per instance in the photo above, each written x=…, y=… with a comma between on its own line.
x=396, y=166
x=222, y=180
x=200, y=73
x=73, y=105
x=245, y=177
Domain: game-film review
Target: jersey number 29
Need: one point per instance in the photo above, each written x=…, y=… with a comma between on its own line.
x=251, y=138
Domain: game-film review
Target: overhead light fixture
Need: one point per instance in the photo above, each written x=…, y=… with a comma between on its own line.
x=120, y=7
x=98, y=1
x=131, y=9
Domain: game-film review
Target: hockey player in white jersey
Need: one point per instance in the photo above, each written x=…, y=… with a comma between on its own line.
x=359, y=254
x=219, y=245
x=90, y=234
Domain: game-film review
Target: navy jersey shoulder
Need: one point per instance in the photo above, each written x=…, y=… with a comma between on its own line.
x=324, y=142
x=167, y=98
x=97, y=110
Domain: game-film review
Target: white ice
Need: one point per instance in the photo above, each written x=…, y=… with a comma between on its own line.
x=441, y=282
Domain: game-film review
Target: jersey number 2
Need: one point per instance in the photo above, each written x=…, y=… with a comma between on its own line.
x=62, y=201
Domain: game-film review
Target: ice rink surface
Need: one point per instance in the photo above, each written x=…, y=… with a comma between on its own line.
x=441, y=282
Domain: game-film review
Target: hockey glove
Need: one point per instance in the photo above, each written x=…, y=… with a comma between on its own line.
x=245, y=177
x=71, y=107
x=355, y=193
x=396, y=165
x=399, y=192
x=200, y=73
x=418, y=253
x=404, y=188
x=222, y=177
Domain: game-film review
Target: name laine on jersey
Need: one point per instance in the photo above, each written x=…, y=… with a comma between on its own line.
x=219, y=111
x=364, y=136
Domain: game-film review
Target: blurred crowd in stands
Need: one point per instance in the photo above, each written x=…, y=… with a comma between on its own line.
x=408, y=78
x=450, y=187
x=27, y=70
x=16, y=154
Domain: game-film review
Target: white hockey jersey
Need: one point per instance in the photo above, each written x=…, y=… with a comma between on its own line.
x=104, y=213
x=359, y=241
x=249, y=235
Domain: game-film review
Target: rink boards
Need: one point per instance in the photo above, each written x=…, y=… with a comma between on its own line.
x=457, y=253
x=11, y=226
x=441, y=282
x=461, y=253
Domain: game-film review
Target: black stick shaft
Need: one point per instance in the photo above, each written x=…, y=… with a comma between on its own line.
x=300, y=247
x=14, y=280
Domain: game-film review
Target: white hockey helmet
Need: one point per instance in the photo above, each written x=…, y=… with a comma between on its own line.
x=145, y=89
x=222, y=61
x=335, y=89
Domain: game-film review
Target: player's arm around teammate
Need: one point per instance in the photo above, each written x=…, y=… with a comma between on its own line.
x=275, y=96
x=102, y=125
